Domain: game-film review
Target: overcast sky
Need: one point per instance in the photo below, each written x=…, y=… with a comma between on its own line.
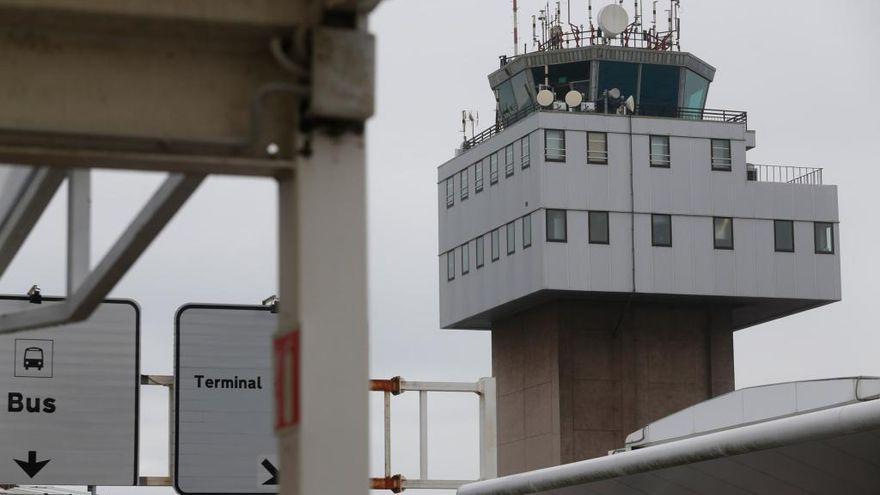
x=806, y=72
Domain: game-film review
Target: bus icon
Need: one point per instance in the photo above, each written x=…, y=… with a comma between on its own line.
x=33, y=358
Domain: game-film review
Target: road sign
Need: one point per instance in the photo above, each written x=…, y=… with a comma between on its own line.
x=224, y=386
x=71, y=399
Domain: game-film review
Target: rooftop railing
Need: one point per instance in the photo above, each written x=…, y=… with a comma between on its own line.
x=684, y=113
x=784, y=174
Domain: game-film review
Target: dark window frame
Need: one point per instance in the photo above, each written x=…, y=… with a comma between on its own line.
x=776, y=247
x=653, y=238
x=508, y=161
x=493, y=168
x=465, y=258
x=590, y=240
x=563, y=149
x=495, y=248
x=722, y=167
x=660, y=163
x=478, y=178
x=450, y=192
x=480, y=248
x=816, y=245
x=715, y=239
x=526, y=219
x=525, y=149
x=464, y=186
x=600, y=161
x=547, y=225
x=450, y=265
x=510, y=234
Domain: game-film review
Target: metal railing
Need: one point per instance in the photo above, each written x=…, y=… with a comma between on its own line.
x=484, y=388
x=684, y=113
x=785, y=174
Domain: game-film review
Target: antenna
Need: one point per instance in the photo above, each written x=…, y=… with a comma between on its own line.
x=534, y=32
x=590, y=12
x=654, y=22
x=471, y=119
x=515, y=33
x=464, y=124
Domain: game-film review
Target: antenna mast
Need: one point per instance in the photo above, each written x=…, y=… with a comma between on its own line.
x=515, y=33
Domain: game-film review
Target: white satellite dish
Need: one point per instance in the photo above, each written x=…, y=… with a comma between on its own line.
x=613, y=20
x=614, y=93
x=545, y=97
x=574, y=98
x=630, y=104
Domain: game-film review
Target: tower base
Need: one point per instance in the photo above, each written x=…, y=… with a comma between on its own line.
x=575, y=377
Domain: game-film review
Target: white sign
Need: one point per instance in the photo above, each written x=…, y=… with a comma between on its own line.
x=224, y=435
x=70, y=399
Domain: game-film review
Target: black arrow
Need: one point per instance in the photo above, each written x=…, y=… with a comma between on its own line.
x=31, y=467
x=272, y=470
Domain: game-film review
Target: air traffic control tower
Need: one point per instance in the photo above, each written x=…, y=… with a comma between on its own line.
x=610, y=232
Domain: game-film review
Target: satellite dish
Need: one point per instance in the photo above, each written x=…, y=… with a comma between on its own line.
x=574, y=98
x=614, y=93
x=545, y=97
x=613, y=20
x=630, y=104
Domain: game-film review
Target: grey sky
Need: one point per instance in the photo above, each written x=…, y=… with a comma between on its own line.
x=805, y=71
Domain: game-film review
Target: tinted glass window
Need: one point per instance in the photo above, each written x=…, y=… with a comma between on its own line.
x=721, y=159
x=621, y=75
x=823, y=234
x=597, y=147
x=565, y=77
x=506, y=99
x=480, y=246
x=598, y=227
x=695, y=90
x=661, y=230
x=723, y=233
x=450, y=193
x=463, y=180
x=450, y=265
x=493, y=168
x=660, y=156
x=521, y=91
x=554, y=145
x=659, y=90
x=511, y=237
x=527, y=231
x=496, y=248
x=557, y=229
x=478, y=177
x=783, y=236
x=508, y=161
x=465, y=258
x=525, y=150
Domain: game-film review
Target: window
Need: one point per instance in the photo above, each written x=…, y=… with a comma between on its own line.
x=465, y=258
x=783, y=236
x=450, y=265
x=480, y=247
x=598, y=227
x=660, y=156
x=554, y=145
x=478, y=177
x=508, y=161
x=450, y=193
x=496, y=249
x=493, y=168
x=510, y=229
x=463, y=180
x=526, y=156
x=661, y=230
x=658, y=93
x=597, y=148
x=823, y=233
x=723, y=228
x=557, y=228
x=721, y=154
x=527, y=231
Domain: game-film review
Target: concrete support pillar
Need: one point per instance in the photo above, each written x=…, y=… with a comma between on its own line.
x=574, y=378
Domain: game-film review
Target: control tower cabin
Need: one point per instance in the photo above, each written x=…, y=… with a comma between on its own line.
x=610, y=232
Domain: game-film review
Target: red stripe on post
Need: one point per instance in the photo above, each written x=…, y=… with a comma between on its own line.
x=287, y=388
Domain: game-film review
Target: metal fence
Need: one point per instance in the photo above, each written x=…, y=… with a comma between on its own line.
x=484, y=388
x=785, y=174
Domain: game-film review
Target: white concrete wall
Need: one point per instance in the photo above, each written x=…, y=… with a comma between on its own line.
x=689, y=190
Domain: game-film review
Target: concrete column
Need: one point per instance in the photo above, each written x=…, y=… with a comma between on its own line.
x=576, y=377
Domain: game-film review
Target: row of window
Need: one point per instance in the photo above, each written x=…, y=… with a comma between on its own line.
x=494, y=246
x=659, y=151
x=598, y=233
x=661, y=231
x=479, y=170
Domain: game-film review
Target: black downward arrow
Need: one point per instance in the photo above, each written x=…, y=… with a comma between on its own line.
x=31, y=467
x=272, y=470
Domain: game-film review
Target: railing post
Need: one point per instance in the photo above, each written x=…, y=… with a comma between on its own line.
x=423, y=434
x=488, y=429
x=387, y=434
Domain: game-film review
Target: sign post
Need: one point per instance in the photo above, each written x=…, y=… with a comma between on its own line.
x=70, y=399
x=224, y=389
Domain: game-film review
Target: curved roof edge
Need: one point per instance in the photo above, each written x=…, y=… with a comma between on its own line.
x=618, y=54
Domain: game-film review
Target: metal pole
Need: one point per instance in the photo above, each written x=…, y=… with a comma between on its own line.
x=423, y=434
x=79, y=210
x=387, y=434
